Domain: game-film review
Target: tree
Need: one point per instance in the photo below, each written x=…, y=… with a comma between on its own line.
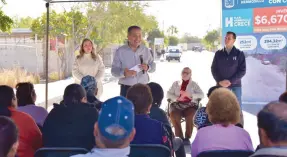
x=210, y=38
x=156, y=33
x=6, y=22
x=173, y=41
x=23, y=22
x=187, y=38
x=104, y=23
x=172, y=30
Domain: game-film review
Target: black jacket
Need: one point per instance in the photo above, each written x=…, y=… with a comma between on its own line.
x=70, y=126
x=230, y=66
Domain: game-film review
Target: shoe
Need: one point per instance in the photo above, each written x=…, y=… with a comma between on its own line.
x=186, y=141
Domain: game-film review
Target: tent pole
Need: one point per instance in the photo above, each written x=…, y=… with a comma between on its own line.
x=47, y=55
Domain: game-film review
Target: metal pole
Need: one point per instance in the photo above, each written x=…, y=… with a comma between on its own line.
x=47, y=55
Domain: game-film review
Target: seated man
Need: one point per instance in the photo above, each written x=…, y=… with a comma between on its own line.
x=114, y=130
x=70, y=124
x=90, y=85
x=149, y=131
x=272, y=122
x=156, y=112
x=184, y=94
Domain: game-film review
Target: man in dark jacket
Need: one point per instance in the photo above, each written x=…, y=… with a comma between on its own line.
x=272, y=124
x=229, y=66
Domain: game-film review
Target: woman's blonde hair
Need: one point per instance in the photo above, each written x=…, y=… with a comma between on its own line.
x=223, y=107
x=82, y=52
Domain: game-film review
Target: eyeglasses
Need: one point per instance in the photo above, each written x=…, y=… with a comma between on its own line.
x=187, y=73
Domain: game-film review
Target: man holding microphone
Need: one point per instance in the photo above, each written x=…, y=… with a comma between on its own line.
x=132, y=62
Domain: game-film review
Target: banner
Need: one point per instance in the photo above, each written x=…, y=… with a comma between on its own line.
x=261, y=29
x=243, y=4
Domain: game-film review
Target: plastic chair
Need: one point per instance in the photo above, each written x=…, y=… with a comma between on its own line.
x=226, y=153
x=149, y=150
x=59, y=151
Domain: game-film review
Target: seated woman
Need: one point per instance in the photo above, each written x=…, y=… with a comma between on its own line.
x=148, y=131
x=184, y=94
x=156, y=112
x=90, y=85
x=71, y=124
x=30, y=137
x=201, y=117
x=26, y=97
x=223, y=112
x=8, y=137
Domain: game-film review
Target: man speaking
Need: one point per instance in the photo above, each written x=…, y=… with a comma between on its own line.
x=229, y=66
x=132, y=62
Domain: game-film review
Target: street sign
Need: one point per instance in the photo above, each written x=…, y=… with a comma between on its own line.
x=158, y=41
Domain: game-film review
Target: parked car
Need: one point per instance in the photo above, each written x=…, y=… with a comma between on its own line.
x=196, y=48
x=265, y=61
x=173, y=54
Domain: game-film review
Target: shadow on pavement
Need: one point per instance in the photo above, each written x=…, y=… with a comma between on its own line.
x=252, y=108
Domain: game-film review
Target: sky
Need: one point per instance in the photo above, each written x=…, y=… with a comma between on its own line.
x=189, y=16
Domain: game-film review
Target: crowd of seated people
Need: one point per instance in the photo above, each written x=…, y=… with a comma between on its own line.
x=108, y=128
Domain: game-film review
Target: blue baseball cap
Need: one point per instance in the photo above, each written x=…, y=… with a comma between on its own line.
x=90, y=84
x=116, y=118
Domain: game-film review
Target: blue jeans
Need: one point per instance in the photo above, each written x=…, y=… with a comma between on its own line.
x=238, y=92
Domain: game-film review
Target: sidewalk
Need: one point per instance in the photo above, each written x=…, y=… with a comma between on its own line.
x=56, y=89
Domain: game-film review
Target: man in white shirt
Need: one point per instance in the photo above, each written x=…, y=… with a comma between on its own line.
x=132, y=62
x=114, y=130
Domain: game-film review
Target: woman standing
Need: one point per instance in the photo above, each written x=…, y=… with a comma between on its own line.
x=89, y=63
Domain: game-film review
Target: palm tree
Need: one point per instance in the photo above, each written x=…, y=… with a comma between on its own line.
x=172, y=30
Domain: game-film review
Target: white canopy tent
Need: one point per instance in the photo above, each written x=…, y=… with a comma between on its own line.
x=48, y=2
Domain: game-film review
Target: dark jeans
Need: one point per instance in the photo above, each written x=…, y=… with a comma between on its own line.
x=124, y=90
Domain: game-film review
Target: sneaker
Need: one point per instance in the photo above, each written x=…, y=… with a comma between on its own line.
x=186, y=141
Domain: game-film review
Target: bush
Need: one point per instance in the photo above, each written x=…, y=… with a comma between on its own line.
x=15, y=75
x=54, y=76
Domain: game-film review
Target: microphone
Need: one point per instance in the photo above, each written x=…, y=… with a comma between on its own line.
x=141, y=59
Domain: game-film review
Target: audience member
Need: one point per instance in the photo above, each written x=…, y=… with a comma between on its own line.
x=26, y=97
x=8, y=137
x=283, y=97
x=90, y=85
x=141, y=97
x=223, y=112
x=70, y=124
x=114, y=130
x=272, y=124
x=201, y=117
x=156, y=112
x=184, y=95
x=30, y=137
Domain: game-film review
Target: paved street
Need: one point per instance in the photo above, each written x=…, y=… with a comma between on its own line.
x=261, y=84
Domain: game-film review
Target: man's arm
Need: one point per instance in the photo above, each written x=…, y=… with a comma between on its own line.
x=117, y=70
x=214, y=68
x=241, y=70
x=151, y=64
